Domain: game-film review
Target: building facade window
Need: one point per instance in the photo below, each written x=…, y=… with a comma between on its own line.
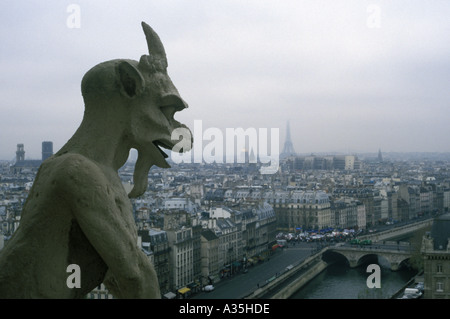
x=439, y=269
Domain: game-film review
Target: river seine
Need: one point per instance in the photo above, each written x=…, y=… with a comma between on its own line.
x=339, y=281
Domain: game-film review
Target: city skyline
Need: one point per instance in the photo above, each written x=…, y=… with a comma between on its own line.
x=209, y=202
x=351, y=78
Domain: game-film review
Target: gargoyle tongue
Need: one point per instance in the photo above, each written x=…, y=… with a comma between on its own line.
x=146, y=159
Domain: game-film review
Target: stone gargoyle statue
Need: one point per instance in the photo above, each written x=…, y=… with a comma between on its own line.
x=77, y=211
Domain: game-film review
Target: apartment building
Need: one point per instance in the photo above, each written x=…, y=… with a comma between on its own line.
x=436, y=254
x=303, y=209
x=181, y=261
x=210, y=265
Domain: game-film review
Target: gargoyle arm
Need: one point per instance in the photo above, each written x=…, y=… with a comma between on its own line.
x=110, y=230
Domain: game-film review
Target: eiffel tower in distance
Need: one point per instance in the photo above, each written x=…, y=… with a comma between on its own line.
x=288, y=149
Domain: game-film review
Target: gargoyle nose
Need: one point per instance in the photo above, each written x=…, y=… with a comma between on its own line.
x=173, y=100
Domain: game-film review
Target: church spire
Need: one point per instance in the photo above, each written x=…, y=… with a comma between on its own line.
x=380, y=157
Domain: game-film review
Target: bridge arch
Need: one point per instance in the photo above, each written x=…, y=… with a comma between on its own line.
x=357, y=257
x=399, y=263
x=331, y=256
x=369, y=258
x=394, y=262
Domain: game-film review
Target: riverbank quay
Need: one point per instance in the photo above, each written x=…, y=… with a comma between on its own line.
x=410, y=284
x=244, y=284
x=291, y=279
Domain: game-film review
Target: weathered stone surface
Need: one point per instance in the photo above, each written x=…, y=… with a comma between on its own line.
x=77, y=211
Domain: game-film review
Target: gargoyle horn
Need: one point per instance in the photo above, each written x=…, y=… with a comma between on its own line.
x=154, y=44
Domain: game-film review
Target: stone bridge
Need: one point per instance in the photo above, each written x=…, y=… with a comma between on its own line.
x=357, y=255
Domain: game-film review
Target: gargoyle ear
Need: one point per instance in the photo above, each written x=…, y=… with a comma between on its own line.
x=131, y=80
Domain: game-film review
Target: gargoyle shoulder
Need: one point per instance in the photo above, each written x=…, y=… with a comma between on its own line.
x=76, y=173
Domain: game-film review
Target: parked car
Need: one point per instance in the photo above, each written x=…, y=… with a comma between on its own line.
x=419, y=286
x=412, y=293
x=208, y=288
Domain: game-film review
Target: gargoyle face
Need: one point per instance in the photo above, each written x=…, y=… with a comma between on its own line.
x=154, y=101
x=141, y=100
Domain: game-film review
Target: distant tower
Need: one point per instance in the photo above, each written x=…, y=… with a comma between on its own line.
x=20, y=153
x=288, y=149
x=380, y=157
x=47, y=150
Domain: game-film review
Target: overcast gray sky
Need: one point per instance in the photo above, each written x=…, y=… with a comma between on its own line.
x=350, y=76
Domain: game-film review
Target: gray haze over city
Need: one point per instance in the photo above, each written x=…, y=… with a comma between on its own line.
x=350, y=76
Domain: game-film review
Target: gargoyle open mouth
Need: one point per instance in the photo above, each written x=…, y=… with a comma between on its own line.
x=158, y=145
